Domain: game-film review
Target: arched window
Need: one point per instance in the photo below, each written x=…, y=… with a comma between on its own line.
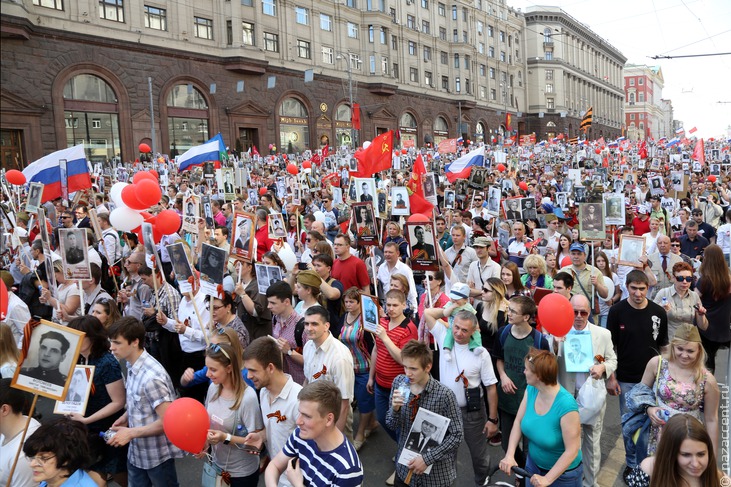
x=547, y=35
x=441, y=129
x=480, y=132
x=188, y=117
x=91, y=117
x=550, y=130
x=408, y=128
x=294, y=127
x=343, y=124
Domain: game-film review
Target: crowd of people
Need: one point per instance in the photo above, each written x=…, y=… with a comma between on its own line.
x=430, y=334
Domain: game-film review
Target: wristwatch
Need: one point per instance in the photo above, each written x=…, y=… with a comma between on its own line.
x=227, y=440
x=492, y=420
x=289, y=352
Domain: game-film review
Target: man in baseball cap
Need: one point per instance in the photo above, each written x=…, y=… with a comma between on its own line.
x=483, y=268
x=588, y=280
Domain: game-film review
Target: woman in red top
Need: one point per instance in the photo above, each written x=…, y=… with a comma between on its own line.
x=392, y=334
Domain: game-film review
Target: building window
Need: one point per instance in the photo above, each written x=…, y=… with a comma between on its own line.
x=549, y=88
x=96, y=123
x=642, y=126
x=248, y=33
x=370, y=33
x=454, y=12
x=493, y=94
x=467, y=86
x=480, y=27
x=156, y=18
x=328, y=54
x=384, y=65
x=464, y=36
x=443, y=33
x=414, y=75
x=351, y=3
x=501, y=36
x=492, y=73
x=425, y=4
x=640, y=81
x=443, y=57
x=247, y=3
x=456, y=60
x=547, y=35
x=490, y=31
x=641, y=98
x=111, y=10
x=352, y=30
x=428, y=79
x=441, y=9
x=457, y=85
x=427, y=54
x=302, y=15
x=481, y=48
x=490, y=51
x=294, y=130
x=642, y=116
x=303, y=49
x=376, y=5
x=425, y=27
x=445, y=83
x=54, y=4
x=502, y=56
x=411, y=22
x=467, y=62
x=483, y=70
x=229, y=33
x=395, y=71
x=550, y=103
x=271, y=42
x=548, y=55
x=394, y=42
x=412, y=48
x=549, y=75
x=455, y=35
x=464, y=14
x=384, y=35
x=269, y=7
x=631, y=81
x=326, y=22
x=203, y=28
x=631, y=116
x=372, y=64
x=483, y=92
x=631, y=98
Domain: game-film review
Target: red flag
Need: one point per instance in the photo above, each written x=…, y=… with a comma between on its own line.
x=326, y=151
x=447, y=146
x=508, y=120
x=254, y=151
x=643, y=150
x=377, y=157
x=693, y=130
x=699, y=153
x=416, y=189
x=355, y=118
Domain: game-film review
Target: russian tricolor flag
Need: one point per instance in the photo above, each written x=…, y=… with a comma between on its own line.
x=212, y=151
x=460, y=168
x=679, y=131
x=47, y=170
x=672, y=142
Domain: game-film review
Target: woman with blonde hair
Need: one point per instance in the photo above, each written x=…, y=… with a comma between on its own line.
x=535, y=276
x=393, y=231
x=492, y=311
x=682, y=384
x=9, y=353
x=106, y=311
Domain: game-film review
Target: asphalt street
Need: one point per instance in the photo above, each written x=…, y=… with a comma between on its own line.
x=377, y=452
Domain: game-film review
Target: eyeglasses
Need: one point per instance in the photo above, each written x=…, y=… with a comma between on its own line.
x=675, y=245
x=486, y=290
x=217, y=307
x=215, y=348
x=684, y=278
x=581, y=313
x=66, y=217
x=308, y=240
x=39, y=459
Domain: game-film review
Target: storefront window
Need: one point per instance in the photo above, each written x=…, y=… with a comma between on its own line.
x=407, y=126
x=294, y=130
x=187, y=118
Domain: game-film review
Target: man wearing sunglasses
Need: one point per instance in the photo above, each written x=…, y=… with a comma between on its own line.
x=601, y=346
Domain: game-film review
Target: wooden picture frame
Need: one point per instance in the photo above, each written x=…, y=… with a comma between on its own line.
x=631, y=248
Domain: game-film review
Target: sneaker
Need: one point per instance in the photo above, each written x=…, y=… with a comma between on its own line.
x=496, y=440
x=626, y=473
x=391, y=479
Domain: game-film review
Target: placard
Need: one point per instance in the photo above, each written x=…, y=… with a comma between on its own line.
x=77, y=396
x=422, y=244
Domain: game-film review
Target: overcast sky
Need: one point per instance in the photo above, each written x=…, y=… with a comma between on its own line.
x=643, y=28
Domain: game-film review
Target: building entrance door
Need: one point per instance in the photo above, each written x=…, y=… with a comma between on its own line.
x=11, y=150
x=249, y=137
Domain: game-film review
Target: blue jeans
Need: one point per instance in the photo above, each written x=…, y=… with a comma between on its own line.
x=603, y=320
x=164, y=475
x=382, y=405
x=570, y=478
x=629, y=445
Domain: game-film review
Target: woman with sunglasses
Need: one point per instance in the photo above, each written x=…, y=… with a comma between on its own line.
x=682, y=304
x=233, y=409
x=107, y=399
x=492, y=313
x=229, y=336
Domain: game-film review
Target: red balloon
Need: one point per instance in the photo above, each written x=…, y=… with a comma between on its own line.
x=556, y=314
x=523, y=185
x=148, y=192
x=168, y=221
x=712, y=178
x=292, y=169
x=262, y=191
x=154, y=173
x=186, y=424
x=501, y=167
x=3, y=300
x=129, y=197
x=566, y=261
x=597, y=151
x=142, y=175
x=144, y=148
x=307, y=164
x=404, y=151
x=419, y=218
x=15, y=177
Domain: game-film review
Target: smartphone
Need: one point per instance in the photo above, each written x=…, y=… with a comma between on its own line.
x=302, y=266
x=294, y=462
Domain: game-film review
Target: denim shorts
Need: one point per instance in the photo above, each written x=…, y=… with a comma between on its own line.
x=366, y=401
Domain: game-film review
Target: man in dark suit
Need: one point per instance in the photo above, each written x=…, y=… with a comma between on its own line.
x=421, y=250
x=421, y=441
x=365, y=193
x=74, y=253
x=52, y=351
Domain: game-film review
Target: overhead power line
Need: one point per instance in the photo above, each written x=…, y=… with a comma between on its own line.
x=691, y=55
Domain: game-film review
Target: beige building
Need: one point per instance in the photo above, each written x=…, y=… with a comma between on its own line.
x=259, y=71
x=571, y=69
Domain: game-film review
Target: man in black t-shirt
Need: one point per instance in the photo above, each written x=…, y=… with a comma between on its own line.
x=639, y=330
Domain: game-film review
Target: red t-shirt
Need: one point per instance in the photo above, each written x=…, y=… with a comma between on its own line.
x=263, y=242
x=640, y=227
x=351, y=272
x=386, y=367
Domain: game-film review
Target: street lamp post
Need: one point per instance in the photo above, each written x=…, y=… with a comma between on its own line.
x=350, y=95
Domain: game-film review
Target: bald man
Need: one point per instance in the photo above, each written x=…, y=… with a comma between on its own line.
x=601, y=346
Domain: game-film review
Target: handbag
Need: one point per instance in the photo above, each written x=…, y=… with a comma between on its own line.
x=590, y=399
x=212, y=475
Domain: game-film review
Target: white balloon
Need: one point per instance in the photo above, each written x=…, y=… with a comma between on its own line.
x=125, y=219
x=115, y=194
x=366, y=144
x=609, y=284
x=319, y=216
x=288, y=257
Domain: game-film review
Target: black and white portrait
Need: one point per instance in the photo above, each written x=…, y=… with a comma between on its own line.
x=578, y=352
x=449, y=198
x=212, y=266
x=618, y=185
x=191, y=213
x=365, y=189
x=228, y=183
x=614, y=209
x=365, y=225
x=74, y=251
x=276, y=226
x=631, y=248
x=181, y=266
x=427, y=432
x=528, y=206
x=430, y=188
x=422, y=239
x=562, y=200
x=243, y=235
x=513, y=209
x=400, y=201
x=77, y=395
x=591, y=221
x=35, y=195
x=493, y=200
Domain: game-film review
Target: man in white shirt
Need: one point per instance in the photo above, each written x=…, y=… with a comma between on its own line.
x=18, y=312
x=459, y=255
x=393, y=265
x=483, y=268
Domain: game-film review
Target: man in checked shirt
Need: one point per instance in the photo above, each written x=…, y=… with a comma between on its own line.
x=428, y=393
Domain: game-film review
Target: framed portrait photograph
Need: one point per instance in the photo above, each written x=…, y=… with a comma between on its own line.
x=382, y=204
x=77, y=396
x=207, y=211
x=75, y=254
x=591, y=222
x=191, y=213
x=52, y=355
x=276, y=226
x=369, y=311
x=430, y=188
x=614, y=209
x=242, y=235
x=449, y=198
x=148, y=240
x=478, y=176
x=528, y=208
x=657, y=186
x=578, y=352
x=631, y=248
x=678, y=179
x=35, y=195
x=562, y=200
x=493, y=200
x=213, y=267
x=513, y=209
x=715, y=169
x=181, y=266
x=423, y=244
x=229, y=183
x=365, y=189
x=427, y=432
x=266, y=275
x=364, y=224
x=400, y=204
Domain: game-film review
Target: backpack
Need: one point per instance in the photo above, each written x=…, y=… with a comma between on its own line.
x=537, y=335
